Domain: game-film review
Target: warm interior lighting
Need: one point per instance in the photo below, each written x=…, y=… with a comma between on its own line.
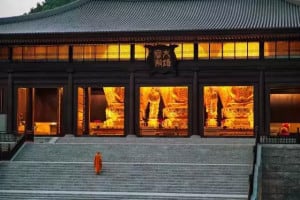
x=3, y=53
x=229, y=108
x=215, y=50
x=184, y=51
x=253, y=49
x=203, y=50
x=163, y=110
x=284, y=109
x=282, y=49
x=113, y=52
x=101, y=52
x=100, y=110
x=63, y=52
x=124, y=51
x=40, y=52
x=228, y=50
x=241, y=50
x=269, y=49
x=295, y=49
x=46, y=110
x=140, y=52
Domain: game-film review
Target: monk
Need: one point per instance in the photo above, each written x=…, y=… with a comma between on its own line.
x=98, y=163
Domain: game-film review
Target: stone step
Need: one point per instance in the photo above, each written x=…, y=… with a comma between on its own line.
x=142, y=178
x=87, y=196
x=137, y=153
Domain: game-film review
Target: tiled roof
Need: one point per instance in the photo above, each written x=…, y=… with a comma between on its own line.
x=157, y=15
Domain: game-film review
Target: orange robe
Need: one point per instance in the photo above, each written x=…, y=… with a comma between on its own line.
x=98, y=163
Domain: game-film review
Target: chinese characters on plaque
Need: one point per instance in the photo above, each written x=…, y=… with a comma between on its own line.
x=162, y=58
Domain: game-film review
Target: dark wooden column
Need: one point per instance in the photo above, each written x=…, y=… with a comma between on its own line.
x=195, y=105
x=262, y=95
x=131, y=119
x=69, y=122
x=10, y=103
x=261, y=50
x=201, y=111
x=195, y=51
x=29, y=132
x=86, y=110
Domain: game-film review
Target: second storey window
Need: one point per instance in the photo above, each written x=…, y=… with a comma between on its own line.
x=41, y=53
x=4, y=53
x=101, y=52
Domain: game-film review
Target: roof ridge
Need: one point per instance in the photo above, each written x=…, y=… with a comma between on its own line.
x=44, y=14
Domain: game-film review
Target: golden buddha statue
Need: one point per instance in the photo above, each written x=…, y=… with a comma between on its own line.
x=175, y=112
x=115, y=107
x=238, y=111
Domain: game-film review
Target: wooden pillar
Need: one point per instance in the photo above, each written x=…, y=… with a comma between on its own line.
x=132, y=109
x=69, y=109
x=86, y=110
x=262, y=94
x=132, y=52
x=10, y=103
x=261, y=50
x=195, y=51
x=195, y=105
x=29, y=128
x=201, y=112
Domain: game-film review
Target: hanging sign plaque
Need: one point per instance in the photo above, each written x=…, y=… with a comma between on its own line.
x=162, y=58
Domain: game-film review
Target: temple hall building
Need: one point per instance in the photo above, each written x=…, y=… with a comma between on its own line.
x=173, y=68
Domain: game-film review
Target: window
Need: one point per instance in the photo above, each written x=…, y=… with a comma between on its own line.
x=228, y=110
x=282, y=49
x=41, y=53
x=4, y=53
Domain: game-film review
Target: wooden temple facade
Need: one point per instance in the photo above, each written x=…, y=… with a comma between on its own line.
x=153, y=68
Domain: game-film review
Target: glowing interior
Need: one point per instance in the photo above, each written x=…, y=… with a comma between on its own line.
x=100, y=111
x=228, y=110
x=284, y=113
x=46, y=110
x=164, y=110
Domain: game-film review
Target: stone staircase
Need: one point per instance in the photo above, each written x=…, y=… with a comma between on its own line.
x=281, y=172
x=133, y=168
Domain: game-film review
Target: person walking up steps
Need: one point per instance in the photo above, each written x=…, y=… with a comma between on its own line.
x=98, y=163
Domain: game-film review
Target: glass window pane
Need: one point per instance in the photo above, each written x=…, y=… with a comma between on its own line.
x=228, y=110
x=228, y=50
x=164, y=111
x=178, y=51
x=282, y=49
x=63, y=53
x=113, y=52
x=188, y=51
x=52, y=53
x=241, y=50
x=4, y=53
x=269, y=49
x=28, y=53
x=124, y=51
x=40, y=53
x=253, y=50
x=215, y=50
x=140, y=52
x=101, y=52
x=295, y=49
x=78, y=53
x=203, y=50
x=17, y=53
x=89, y=52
